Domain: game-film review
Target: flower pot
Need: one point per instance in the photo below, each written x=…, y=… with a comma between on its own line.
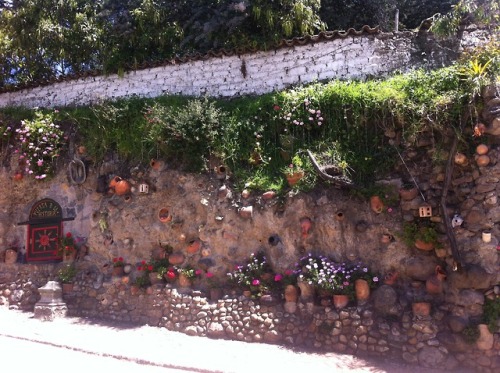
x=294, y=178
x=134, y=289
x=390, y=278
x=434, y=284
x=376, y=204
x=118, y=271
x=291, y=293
x=164, y=215
x=408, y=194
x=362, y=289
x=67, y=288
x=485, y=340
x=154, y=278
x=193, y=246
x=483, y=160
x=386, y=238
x=184, y=281
x=120, y=186
x=461, y=159
x=18, y=176
x=305, y=226
x=340, y=301
x=482, y=149
x=10, y=256
x=421, y=308
x=69, y=256
x=306, y=291
x=156, y=164
x=220, y=172
x=424, y=246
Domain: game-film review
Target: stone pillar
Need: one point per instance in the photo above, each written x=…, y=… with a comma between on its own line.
x=51, y=304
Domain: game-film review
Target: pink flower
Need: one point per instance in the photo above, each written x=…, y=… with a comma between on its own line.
x=68, y=235
x=278, y=277
x=209, y=275
x=255, y=282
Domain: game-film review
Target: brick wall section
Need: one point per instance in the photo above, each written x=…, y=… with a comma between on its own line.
x=228, y=76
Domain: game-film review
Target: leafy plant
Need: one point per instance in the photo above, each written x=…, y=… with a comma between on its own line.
x=255, y=275
x=421, y=230
x=67, y=273
x=491, y=313
x=471, y=333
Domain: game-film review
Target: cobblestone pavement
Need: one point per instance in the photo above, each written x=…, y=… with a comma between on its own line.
x=162, y=348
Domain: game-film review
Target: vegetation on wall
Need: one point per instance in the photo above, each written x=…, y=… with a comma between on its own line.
x=344, y=123
x=44, y=39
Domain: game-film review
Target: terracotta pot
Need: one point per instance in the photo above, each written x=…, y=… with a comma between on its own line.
x=425, y=246
x=184, y=281
x=305, y=226
x=408, y=194
x=156, y=164
x=247, y=293
x=386, y=238
x=482, y=149
x=460, y=159
x=220, y=172
x=164, y=215
x=118, y=271
x=10, y=256
x=67, y=288
x=18, y=176
x=135, y=289
x=291, y=293
x=486, y=339
x=421, y=308
x=340, y=216
x=376, y=204
x=483, y=160
x=193, y=246
x=306, y=291
x=434, y=284
x=154, y=278
x=340, y=301
x=294, y=178
x=362, y=289
x=120, y=186
x=176, y=258
x=69, y=257
x=390, y=278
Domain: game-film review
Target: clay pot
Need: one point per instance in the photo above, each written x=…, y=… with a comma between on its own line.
x=10, y=256
x=294, y=178
x=386, y=238
x=408, y=194
x=18, y=176
x=425, y=246
x=134, y=289
x=306, y=291
x=120, y=186
x=482, y=160
x=340, y=301
x=82, y=149
x=339, y=216
x=184, y=281
x=421, y=308
x=193, y=246
x=220, y=172
x=245, y=193
x=154, y=278
x=247, y=293
x=390, y=278
x=434, y=284
x=460, y=159
x=118, y=271
x=67, y=288
x=269, y=195
x=156, y=164
x=376, y=204
x=482, y=149
x=362, y=289
x=176, y=258
x=486, y=339
x=164, y=215
x=305, y=226
x=291, y=293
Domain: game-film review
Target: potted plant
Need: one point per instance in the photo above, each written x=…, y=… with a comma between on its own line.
x=66, y=276
x=364, y=281
x=294, y=172
x=118, y=265
x=421, y=235
x=67, y=247
x=214, y=286
x=186, y=276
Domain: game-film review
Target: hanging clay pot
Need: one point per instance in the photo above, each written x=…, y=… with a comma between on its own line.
x=424, y=246
x=483, y=160
x=460, y=159
x=340, y=216
x=362, y=289
x=176, y=258
x=220, y=172
x=193, y=246
x=10, y=256
x=390, y=278
x=164, y=215
x=18, y=176
x=305, y=226
x=386, y=238
x=434, y=284
x=376, y=204
x=156, y=164
x=486, y=340
x=120, y=186
x=482, y=149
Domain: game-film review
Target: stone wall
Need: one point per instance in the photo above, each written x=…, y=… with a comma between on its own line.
x=433, y=341
x=353, y=55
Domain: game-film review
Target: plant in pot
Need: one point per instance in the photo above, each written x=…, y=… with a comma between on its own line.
x=294, y=172
x=422, y=235
x=408, y=191
x=67, y=275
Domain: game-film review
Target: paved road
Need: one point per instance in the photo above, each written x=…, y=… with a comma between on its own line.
x=81, y=343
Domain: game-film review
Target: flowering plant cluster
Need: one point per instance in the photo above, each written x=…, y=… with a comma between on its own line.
x=190, y=272
x=39, y=142
x=118, y=262
x=67, y=244
x=288, y=277
x=295, y=166
x=332, y=277
x=255, y=275
x=302, y=113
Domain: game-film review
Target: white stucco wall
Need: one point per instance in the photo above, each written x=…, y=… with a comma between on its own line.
x=266, y=71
